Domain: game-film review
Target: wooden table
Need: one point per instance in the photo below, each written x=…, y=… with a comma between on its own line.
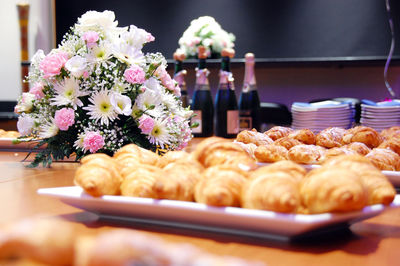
x=375, y=241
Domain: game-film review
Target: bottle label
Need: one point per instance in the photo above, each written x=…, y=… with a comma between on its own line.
x=232, y=121
x=245, y=123
x=197, y=119
x=201, y=76
x=180, y=78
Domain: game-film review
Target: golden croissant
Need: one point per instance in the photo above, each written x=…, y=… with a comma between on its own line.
x=177, y=181
x=140, y=181
x=98, y=175
x=219, y=186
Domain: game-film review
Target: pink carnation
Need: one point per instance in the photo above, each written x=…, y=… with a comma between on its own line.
x=146, y=124
x=91, y=38
x=64, y=118
x=37, y=90
x=85, y=74
x=135, y=74
x=52, y=64
x=93, y=141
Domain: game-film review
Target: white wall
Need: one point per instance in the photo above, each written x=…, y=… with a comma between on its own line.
x=40, y=37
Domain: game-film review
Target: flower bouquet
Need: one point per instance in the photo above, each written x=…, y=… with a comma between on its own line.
x=98, y=91
x=207, y=32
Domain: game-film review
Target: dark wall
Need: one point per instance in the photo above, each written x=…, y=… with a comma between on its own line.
x=298, y=29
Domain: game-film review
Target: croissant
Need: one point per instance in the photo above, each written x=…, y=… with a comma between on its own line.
x=391, y=132
x=384, y=159
x=219, y=186
x=177, y=181
x=252, y=136
x=287, y=142
x=305, y=136
x=136, y=154
x=392, y=143
x=380, y=190
x=98, y=175
x=306, y=154
x=179, y=156
x=332, y=190
x=336, y=151
x=140, y=181
x=271, y=190
x=278, y=132
x=270, y=153
x=201, y=149
x=330, y=137
x=295, y=170
x=358, y=147
x=47, y=241
x=366, y=135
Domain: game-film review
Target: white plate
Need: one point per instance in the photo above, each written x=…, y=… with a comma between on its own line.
x=195, y=215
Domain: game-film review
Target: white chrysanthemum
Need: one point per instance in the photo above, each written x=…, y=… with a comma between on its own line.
x=101, y=108
x=170, y=102
x=48, y=129
x=76, y=65
x=119, y=86
x=68, y=93
x=79, y=141
x=122, y=104
x=160, y=134
x=128, y=54
x=100, y=53
x=147, y=99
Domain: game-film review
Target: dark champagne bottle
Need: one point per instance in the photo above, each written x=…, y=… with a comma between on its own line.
x=249, y=102
x=226, y=108
x=179, y=76
x=202, y=104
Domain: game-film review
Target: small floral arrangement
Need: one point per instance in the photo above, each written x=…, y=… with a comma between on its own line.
x=98, y=91
x=207, y=32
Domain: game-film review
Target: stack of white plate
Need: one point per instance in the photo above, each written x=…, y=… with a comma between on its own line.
x=320, y=115
x=380, y=115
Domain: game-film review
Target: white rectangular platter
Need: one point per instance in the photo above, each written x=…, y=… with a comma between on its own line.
x=195, y=215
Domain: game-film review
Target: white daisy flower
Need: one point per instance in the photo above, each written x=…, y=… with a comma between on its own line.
x=150, y=102
x=170, y=102
x=122, y=104
x=68, y=93
x=100, y=53
x=101, y=108
x=48, y=129
x=160, y=134
x=119, y=87
x=79, y=142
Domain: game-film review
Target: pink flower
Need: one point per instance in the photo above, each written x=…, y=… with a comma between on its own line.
x=146, y=124
x=52, y=64
x=149, y=37
x=93, y=141
x=135, y=74
x=64, y=118
x=91, y=38
x=85, y=74
x=37, y=90
x=167, y=81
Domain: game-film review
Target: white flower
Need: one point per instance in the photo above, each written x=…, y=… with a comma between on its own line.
x=135, y=37
x=169, y=101
x=25, y=104
x=153, y=84
x=68, y=93
x=122, y=104
x=79, y=142
x=103, y=22
x=25, y=125
x=38, y=57
x=101, y=108
x=160, y=135
x=101, y=52
x=76, y=65
x=48, y=129
x=147, y=99
x=119, y=86
x=128, y=54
